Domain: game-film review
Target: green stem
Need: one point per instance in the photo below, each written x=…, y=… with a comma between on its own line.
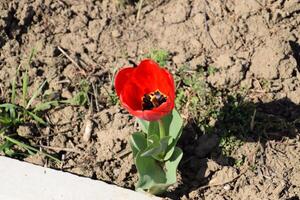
x=162, y=130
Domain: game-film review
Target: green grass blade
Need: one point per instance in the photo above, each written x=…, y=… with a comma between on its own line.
x=35, y=94
x=32, y=53
x=5, y=145
x=25, y=87
x=7, y=106
x=13, y=92
x=30, y=149
x=36, y=118
x=45, y=106
x=26, y=78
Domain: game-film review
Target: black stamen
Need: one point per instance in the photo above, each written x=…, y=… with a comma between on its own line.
x=153, y=100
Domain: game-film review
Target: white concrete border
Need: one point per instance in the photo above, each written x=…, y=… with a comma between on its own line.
x=24, y=181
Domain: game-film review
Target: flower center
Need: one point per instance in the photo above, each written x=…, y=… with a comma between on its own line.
x=153, y=100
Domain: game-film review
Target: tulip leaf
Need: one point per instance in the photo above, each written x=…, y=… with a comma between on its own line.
x=170, y=151
x=138, y=143
x=143, y=124
x=158, y=148
x=173, y=124
x=150, y=172
x=152, y=139
x=172, y=165
x=154, y=177
x=153, y=128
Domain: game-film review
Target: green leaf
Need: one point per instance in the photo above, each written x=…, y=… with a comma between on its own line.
x=25, y=87
x=7, y=106
x=149, y=127
x=173, y=124
x=150, y=172
x=152, y=139
x=143, y=124
x=158, y=148
x=170, y=173
x=153, y=128
x=35, y=94
x=5, y=120
x=13, y=91
x=154, y=177
x=36, y=118
x=79, y=99
x=6, y=145
x=172, y=165
x=170, y=151
x=45, y=106
x=30, y=149
x=12, y=113
x=9, y=115
x=137, y=142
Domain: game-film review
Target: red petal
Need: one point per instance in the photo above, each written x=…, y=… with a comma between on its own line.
x=159, y=112
x=147, y=74
x=122, y=77
x=167, y=84
x=131, y=95
x=152, y=115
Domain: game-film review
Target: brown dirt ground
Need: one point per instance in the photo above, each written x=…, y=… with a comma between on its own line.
x=249, y=41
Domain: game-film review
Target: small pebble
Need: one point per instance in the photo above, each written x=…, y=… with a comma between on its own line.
x=116, y=33
x=227, y=187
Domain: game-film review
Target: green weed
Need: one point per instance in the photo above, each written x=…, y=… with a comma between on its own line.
x=216, y=111
x=196, y=99
x=159, y=55
x=112, y=97
x=12, y=115
x=81, y=97
x=229, y=143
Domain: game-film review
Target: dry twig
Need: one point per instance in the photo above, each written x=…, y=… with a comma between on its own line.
x=76, y=64
x=61, y=149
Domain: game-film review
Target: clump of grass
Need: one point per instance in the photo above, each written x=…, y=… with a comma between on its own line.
x=159, y=55
x=199, y=102
x=236, y=115
x=213, y=110
x=229, y=143
x=28, y=111
x=12, y=115
x=81, y=97
x=234, y=123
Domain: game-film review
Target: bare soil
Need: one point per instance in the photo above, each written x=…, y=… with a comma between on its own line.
x=253, y=44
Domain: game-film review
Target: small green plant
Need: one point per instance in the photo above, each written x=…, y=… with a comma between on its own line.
x=159, y=55
x=200, y=102
x=113, y=98
x=13, y=115
x=240, y=161
x=211, y=70
x=229, y=143
x=81, y=97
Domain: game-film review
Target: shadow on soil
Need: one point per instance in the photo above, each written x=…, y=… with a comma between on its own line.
x=238, y=122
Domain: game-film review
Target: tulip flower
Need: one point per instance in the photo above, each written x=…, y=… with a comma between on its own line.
x=147, y=91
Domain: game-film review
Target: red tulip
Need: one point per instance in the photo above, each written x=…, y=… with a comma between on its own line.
x=146, y=91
